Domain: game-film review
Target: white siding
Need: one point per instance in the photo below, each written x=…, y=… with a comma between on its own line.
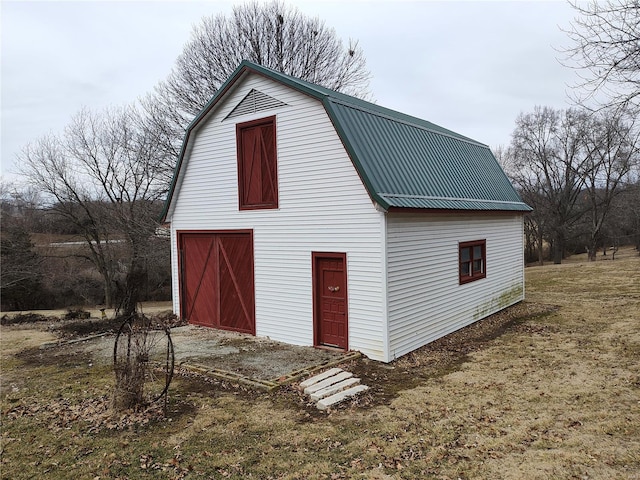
x=425, y=298
x=323, y=207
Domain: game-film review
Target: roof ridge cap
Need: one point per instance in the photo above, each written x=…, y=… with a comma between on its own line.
x=406, y=122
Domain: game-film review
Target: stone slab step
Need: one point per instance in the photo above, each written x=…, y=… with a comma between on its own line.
x=340, y=396
x=318, y=378
x=328, y=381
x=335, y=388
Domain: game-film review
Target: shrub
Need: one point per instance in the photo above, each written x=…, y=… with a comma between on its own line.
x=77, y=314
x=26, y=318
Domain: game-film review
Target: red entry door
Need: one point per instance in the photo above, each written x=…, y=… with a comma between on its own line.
x=217, y=280
x=330, y=305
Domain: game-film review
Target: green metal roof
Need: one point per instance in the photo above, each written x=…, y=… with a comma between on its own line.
x=404, y=162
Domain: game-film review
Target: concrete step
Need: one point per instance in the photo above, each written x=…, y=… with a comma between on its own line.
x=318, y=378
x=340, y=396
x=335, y=388
x=327, y=382
x=331, y=387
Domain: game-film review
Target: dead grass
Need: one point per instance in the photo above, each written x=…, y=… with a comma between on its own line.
x=552, y=396
x=15, y=340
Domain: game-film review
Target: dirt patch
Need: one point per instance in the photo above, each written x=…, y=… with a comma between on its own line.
x=243, y=355
x=443, y=356
x=84, y=328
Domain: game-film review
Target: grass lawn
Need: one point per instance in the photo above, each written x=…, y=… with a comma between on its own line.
x=551, y=396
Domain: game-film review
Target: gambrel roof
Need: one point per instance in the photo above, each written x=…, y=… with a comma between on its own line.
x=403, y=161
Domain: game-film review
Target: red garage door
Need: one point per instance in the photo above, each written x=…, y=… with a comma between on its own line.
x=216, y=279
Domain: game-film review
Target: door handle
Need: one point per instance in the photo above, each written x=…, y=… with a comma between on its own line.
x=334, y=289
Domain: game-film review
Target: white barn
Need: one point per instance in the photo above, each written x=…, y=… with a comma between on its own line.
x=316, y=218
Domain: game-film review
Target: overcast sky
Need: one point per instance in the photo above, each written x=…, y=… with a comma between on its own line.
x=471, y=67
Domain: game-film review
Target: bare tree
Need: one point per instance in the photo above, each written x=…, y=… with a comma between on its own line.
x=506, y=160
x=606, y=46
x=20, y=204
x=629, y=213
x=551, y=160
x=21, y=268
x=570, y=166
x=101, y=175
x=21, y=271
x=270, y=34
x=536, y=223
x=615, y=148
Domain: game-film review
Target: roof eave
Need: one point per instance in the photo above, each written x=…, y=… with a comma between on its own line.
x=522, y=211
x=224, y=88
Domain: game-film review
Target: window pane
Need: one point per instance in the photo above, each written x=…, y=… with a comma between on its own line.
x=477, y=251
x=465, y=254
x=477, y=266
x=465, y=268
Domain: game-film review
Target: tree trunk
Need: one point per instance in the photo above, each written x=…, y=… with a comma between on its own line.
x=108, y=293
x=136, y=278
x=558, y=248
x=595, y=238
x=540, y=248
x=108, y=284
x=134, y=284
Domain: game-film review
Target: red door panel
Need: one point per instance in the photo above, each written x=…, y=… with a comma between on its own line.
x=199, y=279
x=330, y=300
x=235, y=255
x=252, y=161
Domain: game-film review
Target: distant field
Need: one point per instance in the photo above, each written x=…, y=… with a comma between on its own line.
x=44, y=239
x=146, y=308
x=527, y=395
